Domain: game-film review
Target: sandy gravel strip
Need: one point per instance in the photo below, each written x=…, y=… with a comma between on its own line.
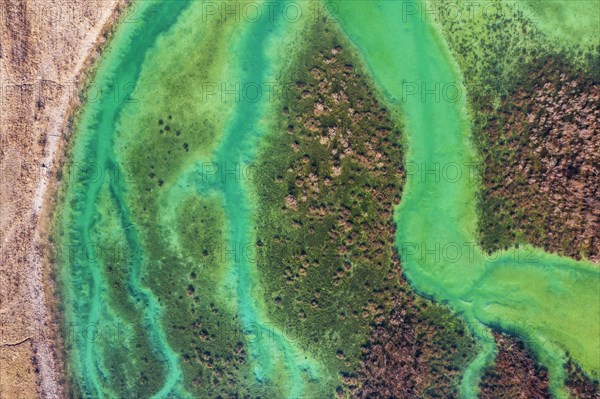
x=46, y=48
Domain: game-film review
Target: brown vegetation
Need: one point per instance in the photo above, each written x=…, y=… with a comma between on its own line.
x=515, y=374
x=542, y=154
x=418, y=351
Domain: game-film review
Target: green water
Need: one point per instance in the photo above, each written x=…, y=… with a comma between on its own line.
x=85, y=283
x=523, y=291
x=271, y=352
x=436, y=220
x=94, y=203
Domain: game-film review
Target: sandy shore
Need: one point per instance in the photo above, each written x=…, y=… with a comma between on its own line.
x=45, y=49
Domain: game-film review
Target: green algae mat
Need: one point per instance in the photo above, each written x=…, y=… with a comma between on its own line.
x=228, y=228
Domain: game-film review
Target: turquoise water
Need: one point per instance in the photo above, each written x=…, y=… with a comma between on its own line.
x=277, y=361
x=507, y=291
x=84, y=298
x=238, y=149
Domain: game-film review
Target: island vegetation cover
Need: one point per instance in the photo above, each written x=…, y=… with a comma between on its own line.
x=370, y=199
